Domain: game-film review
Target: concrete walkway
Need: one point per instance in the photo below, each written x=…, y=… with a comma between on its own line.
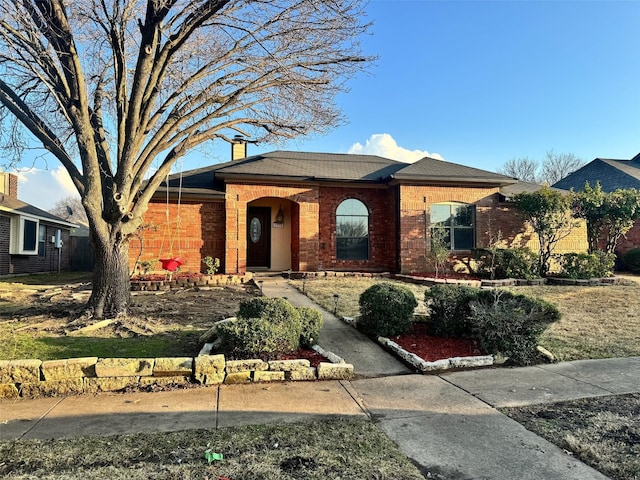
x=447, y=424
x=368, y=358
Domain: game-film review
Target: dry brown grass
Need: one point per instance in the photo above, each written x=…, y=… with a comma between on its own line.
x=603, y=432
x=332, y=449
x=597, y=322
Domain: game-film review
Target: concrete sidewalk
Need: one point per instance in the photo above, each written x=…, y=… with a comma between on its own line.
x=446, y=424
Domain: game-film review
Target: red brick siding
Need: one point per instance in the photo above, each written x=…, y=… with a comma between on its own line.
x=415, y=202
x=382, y=228
x=9, y=184
x=239, y=195
x=195, y=230
x=627, y=242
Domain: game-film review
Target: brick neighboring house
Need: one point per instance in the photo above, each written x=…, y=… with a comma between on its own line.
x=612, y=175
x=317, y=211
x=31, y=240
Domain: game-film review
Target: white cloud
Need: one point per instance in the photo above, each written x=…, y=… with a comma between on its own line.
x=384, y=145
x=44, y=188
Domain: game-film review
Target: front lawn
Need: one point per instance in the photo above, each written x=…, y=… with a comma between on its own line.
x=597, y=322
x=335, y=449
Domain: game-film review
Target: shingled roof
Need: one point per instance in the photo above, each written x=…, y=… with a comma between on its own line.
x=311, y=167
x=288, y=166
x=432, y=170
x=611, y=173
x=13, y=205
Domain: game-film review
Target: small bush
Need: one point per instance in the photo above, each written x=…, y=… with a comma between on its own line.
x=264, y=327
x=258, y=337
x=505, y=262
x=275, y=309
x=311, y=326
x=510, y=325
x=632, y=259
x=386, y=309
x=449, y=309
x=586, y=265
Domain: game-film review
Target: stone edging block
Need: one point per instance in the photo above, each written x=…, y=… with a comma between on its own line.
x=424, y=366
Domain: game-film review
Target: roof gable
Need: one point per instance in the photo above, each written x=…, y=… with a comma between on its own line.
x=612, y=175
x=433, y=170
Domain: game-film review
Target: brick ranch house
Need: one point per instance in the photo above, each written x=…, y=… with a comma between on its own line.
x=31, y=240
x=299, y=211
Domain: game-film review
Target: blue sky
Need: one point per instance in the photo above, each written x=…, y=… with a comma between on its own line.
x=477, y=82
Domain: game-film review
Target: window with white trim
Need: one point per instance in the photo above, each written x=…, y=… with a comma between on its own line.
x=24, y=236
x=456, y=222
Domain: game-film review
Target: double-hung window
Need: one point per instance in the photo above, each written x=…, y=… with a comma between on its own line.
x=454, y=224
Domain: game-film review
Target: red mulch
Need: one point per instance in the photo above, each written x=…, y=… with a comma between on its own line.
x=431, y=348
x=305, y=354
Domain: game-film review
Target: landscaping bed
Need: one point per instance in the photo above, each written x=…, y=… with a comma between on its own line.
x=431, y=348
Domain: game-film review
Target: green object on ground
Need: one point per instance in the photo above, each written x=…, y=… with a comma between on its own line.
x=212, y=456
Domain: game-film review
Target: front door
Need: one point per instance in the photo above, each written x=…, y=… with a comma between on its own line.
x=259, y=237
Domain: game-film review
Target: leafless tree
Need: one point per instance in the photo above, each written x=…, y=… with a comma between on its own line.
x=556, y=166
x=522, y=168
x=552, y=169
x=71, y=209
x=118, y=89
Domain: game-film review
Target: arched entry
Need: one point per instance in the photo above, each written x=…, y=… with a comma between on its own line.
x=271, y=228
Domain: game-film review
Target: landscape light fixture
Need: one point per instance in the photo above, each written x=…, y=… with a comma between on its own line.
x=336, y=297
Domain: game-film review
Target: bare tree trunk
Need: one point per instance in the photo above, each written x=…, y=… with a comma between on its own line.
x=111, y=292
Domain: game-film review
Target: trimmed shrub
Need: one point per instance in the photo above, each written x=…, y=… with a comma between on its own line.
x=632, y=259
x=264, y=327
x=274, y=309
x=507, y=263
x=258, y=337
x=311, y=326
x=449, y=309
x=386, y=309
x=586, y=265
x=510, y=325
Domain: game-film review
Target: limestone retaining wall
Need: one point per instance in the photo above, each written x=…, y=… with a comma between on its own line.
x=33, y=378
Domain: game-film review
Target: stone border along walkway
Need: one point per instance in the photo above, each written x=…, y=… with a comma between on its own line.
x=424, y=366
x=34, y=378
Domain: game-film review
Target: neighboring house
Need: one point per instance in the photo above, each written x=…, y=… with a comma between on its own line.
x=299, y=211
x=612, y=175
x=31, y=240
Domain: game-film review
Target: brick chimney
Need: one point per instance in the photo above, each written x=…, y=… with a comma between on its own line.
x=9, y=185
x=238, y=148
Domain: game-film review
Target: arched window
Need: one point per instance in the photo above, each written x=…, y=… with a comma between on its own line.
x=352, y=230
x=454, y=224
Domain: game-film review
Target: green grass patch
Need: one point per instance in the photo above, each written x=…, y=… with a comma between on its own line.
x=26, y=345
x=322, y=450
x=48, y=279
